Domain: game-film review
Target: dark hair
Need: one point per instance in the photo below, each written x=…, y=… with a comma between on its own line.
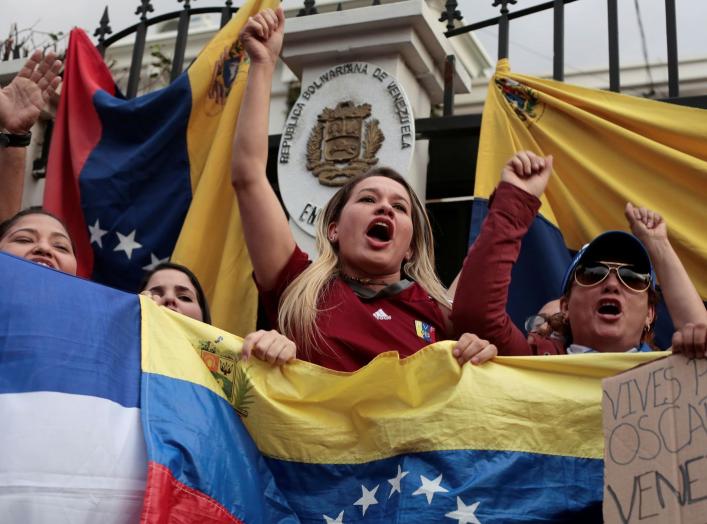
x=200, y=295
x=34, y=210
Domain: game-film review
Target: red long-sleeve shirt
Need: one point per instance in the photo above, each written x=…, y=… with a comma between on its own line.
x=482, y=291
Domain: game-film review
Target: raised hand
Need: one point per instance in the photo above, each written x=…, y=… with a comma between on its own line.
x=647, y=225
x=23, y=99
x=528, y=171
x=262, y=35
x=270, y=346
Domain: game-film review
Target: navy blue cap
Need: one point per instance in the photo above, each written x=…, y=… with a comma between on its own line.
x=611, y=246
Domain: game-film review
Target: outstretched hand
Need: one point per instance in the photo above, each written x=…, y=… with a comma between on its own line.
x=23, y=99
x=528, y=171
x=645, y=224
x=270, y=346
x=262, y=35
x=474, y=349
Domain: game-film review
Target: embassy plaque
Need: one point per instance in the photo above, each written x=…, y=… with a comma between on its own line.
x=350, y=118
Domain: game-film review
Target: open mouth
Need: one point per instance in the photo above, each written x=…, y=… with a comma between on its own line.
x=43, y=262
x=609, y=307
x=379, y=231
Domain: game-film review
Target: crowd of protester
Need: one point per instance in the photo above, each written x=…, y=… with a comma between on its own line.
x=374, y=287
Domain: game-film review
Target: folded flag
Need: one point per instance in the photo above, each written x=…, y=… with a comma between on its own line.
x=139, y=181
x=105, y=395
x=609, y=149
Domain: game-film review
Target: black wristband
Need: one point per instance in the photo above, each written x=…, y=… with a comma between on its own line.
x=12, y=140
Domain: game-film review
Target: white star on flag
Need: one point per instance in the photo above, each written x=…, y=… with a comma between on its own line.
x=368, y=498
x=430, y=487
x=395, y=482
x=127, y=243
x=154, y=262
x=97, y=233
x=337, y=520
x=464, y=514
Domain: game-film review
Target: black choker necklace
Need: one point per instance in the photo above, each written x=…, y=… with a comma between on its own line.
x=364, y=281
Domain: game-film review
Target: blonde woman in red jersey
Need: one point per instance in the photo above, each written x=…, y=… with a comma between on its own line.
x=373, y=287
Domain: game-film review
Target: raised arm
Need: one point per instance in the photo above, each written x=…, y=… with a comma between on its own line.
x=681, y=297
x=482, y=293
x=267, y=233
x=21, y=103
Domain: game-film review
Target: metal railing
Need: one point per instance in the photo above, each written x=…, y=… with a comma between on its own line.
x=451, y=15
x=503, y=22
x=15, y=47
x=140, y=30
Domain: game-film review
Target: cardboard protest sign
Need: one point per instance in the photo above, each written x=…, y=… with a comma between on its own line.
x=655, y=435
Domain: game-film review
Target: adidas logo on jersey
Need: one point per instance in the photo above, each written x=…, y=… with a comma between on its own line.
x=381, y=315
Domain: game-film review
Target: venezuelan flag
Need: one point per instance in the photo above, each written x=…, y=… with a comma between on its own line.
x=94, y=432
x=117, y=409
x=609, y=149
x=139, y=181
x=423, y=440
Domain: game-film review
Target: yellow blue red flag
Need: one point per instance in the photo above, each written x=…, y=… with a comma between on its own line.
x=115, y=410
x=139, y=181
x=609, y=149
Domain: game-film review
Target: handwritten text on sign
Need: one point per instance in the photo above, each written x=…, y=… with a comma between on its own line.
x=655, y=431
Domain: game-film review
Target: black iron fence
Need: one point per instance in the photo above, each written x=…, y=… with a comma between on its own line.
x=140, y=30
x=18, y=45
x=558, y=6
x=450, y=17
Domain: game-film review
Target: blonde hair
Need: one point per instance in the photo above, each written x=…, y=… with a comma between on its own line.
x=299, y=304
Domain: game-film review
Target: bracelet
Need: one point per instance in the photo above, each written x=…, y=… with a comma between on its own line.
x=12, y=140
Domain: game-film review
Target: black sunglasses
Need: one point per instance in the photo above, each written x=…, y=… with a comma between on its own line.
x=593, y=273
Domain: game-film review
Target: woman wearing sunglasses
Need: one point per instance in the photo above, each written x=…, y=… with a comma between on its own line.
x=609, y=294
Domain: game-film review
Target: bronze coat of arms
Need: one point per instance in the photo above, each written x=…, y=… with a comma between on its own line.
x=342, y=144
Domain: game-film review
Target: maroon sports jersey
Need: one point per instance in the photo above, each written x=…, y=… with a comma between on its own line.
x=357, y=329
